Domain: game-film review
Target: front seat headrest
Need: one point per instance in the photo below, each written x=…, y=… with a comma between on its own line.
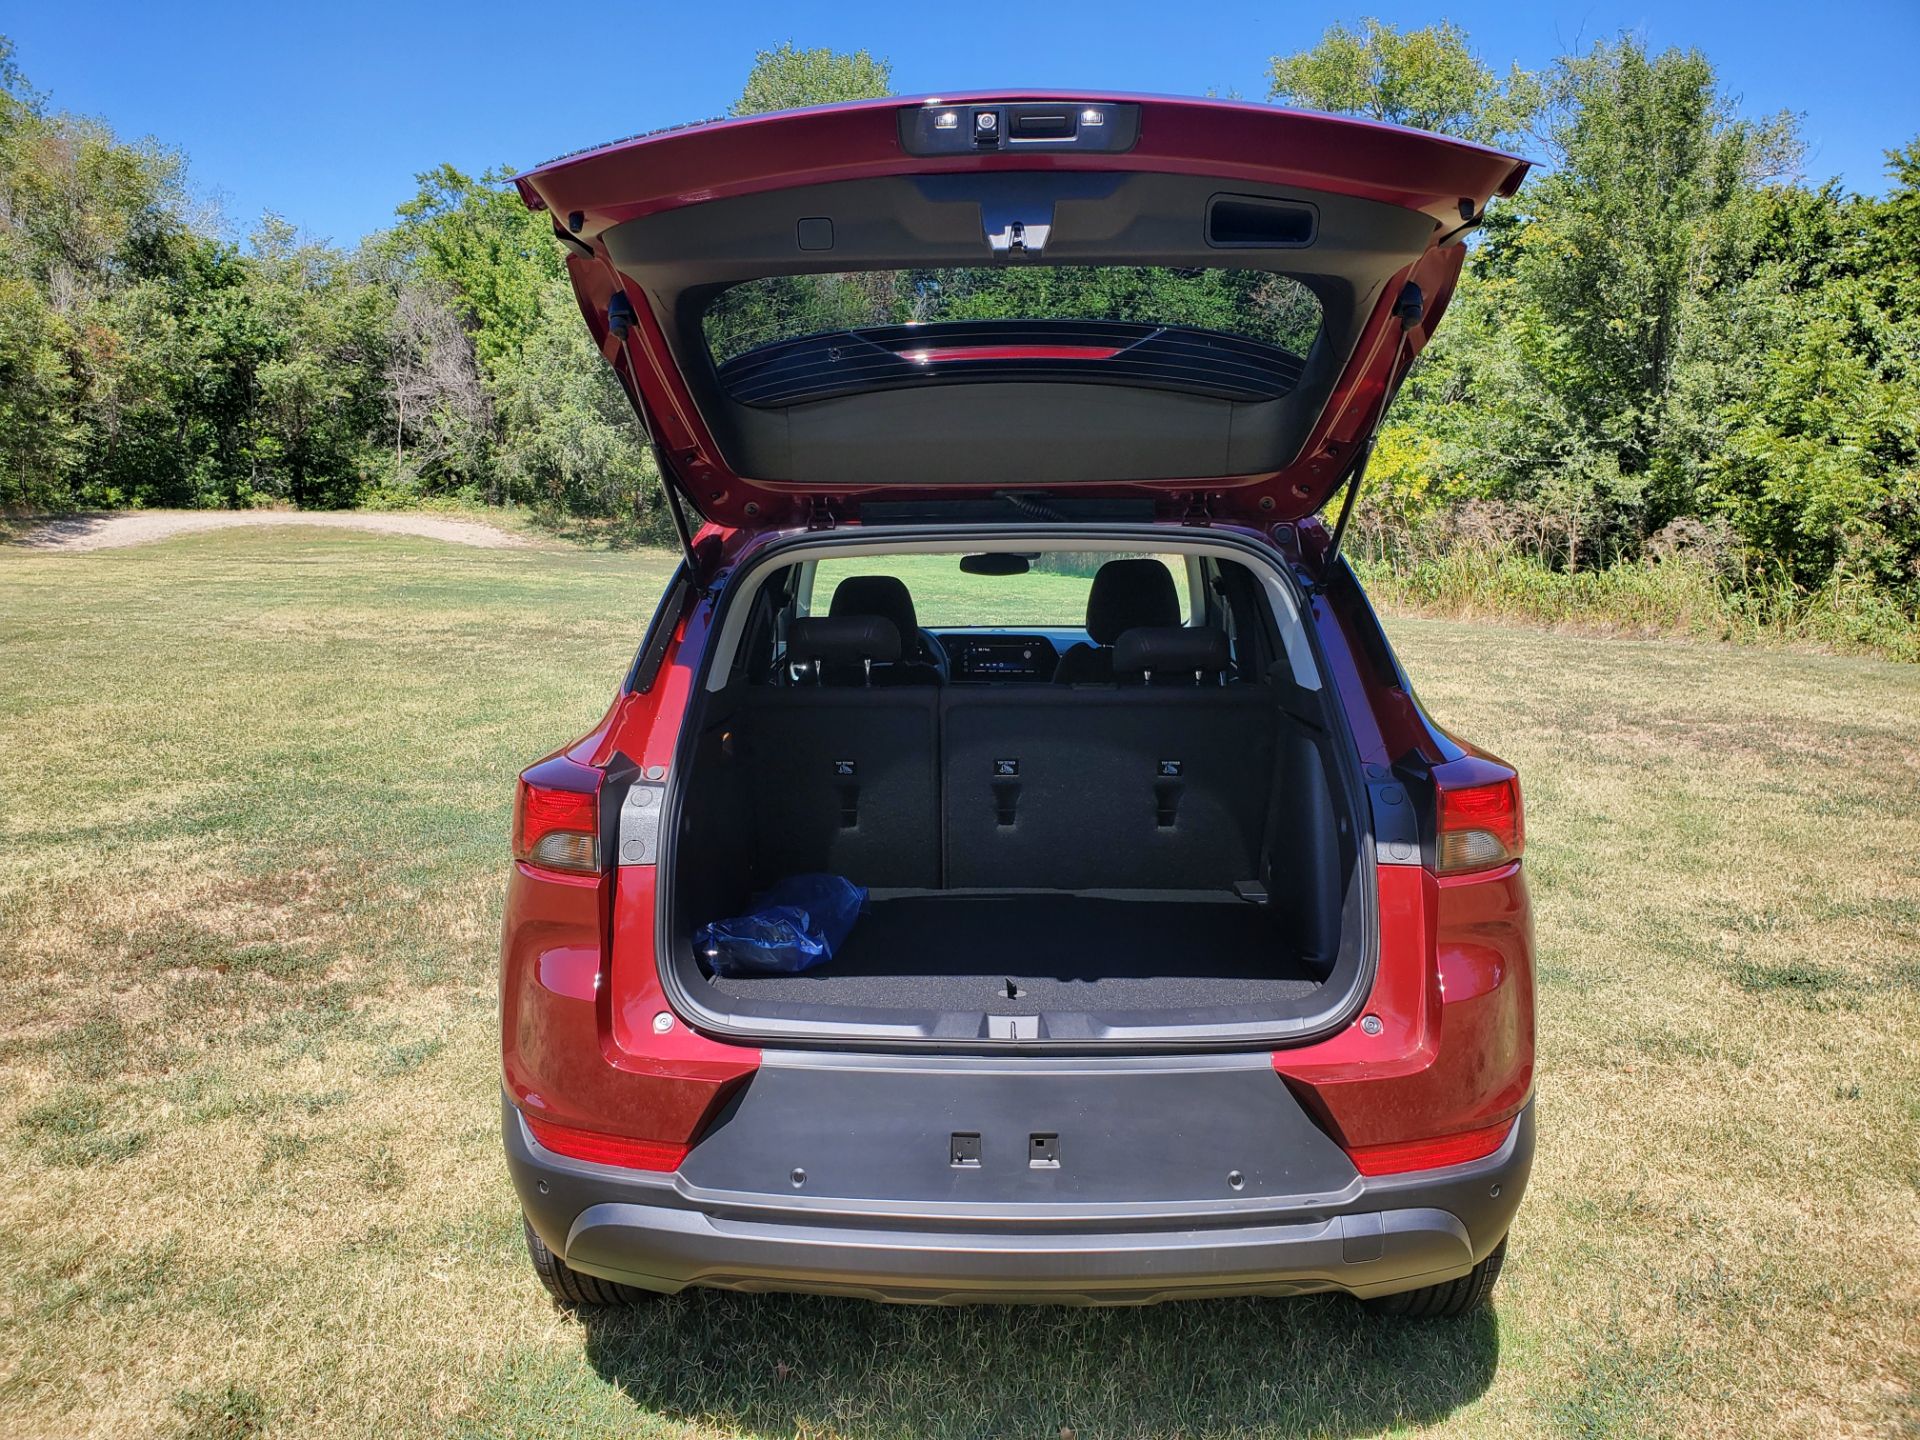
x=843, y=640
x=883, y=595
x=1172, y=650
x=1127, y=594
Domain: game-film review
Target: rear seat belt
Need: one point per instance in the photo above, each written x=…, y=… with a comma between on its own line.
x=1006, y=791
x=848, y=771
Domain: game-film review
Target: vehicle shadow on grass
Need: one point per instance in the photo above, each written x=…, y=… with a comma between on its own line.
x=794, y=1364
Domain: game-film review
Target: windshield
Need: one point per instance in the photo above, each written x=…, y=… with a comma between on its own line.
x=1256, y=305
x=1052, y=594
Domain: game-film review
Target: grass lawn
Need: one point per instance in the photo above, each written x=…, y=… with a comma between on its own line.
x=252, y=837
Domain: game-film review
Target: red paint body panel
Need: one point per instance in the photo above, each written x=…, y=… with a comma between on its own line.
x=572, y=1053
x=1453, y=985
x=1227, y=140
x=559, y=1058
x=1179, y=135
x=1454, y=995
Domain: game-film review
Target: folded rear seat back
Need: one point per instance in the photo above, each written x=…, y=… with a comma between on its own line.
x=845, y=774
x=1131, y=788
x=1161, y=786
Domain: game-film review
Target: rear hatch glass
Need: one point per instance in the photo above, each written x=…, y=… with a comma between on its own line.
x=1234, y=332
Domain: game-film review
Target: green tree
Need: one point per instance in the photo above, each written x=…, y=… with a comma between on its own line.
x=1820, y=461
x=558, y=428
x=95, y=237
x=1665, y=332
x=318, y=392
x=164, y=419
x=40, y=432
x=1427, y=78
x=497, y=259
x=1610, y=308
x=568, y=436
x=788, y=79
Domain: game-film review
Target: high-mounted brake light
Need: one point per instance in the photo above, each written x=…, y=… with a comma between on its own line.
x=607, y=1149
x=1480, y=826
x=557, y=829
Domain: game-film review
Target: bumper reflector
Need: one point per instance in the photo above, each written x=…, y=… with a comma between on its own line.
x=1434, y=1154
x=607, y=1149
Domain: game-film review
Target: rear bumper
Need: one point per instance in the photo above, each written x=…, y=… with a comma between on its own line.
x=1365, y=1237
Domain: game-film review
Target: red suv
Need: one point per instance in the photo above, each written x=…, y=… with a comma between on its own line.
x=1190, y=957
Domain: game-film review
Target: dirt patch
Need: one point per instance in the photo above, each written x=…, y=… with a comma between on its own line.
x=75, y=533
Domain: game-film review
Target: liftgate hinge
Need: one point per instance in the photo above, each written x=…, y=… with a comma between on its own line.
x=820, y=514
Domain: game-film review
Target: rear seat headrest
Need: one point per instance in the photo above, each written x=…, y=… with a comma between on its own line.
x=1130, y=593
x=844, y=640
x=1172, y=649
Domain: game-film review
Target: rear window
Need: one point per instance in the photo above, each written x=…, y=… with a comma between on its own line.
x=1051, y=595
x=1254, y=305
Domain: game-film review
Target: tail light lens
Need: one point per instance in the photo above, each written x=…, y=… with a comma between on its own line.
x=558, y=829
x=607, y=1149
x=1480, y=826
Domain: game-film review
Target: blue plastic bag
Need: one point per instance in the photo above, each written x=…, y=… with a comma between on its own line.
x=796, y=924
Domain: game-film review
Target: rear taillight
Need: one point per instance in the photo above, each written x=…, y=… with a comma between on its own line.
x=1480, y=826
x=607, y=1149
x=558, y=829
x=1434, y=1154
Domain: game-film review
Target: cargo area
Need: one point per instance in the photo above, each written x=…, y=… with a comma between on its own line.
x=1167, y=846
x=1014, y=952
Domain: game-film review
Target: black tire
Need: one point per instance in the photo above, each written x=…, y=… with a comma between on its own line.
x=1455, y=1297
x=570, y=1287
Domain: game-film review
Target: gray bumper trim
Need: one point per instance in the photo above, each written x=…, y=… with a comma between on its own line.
x=1390, y=1234
x=1363, y=1254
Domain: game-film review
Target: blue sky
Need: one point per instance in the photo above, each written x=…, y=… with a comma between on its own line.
x=324, y=112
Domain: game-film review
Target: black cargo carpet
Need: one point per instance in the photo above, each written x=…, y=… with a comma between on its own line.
x=1102, y=951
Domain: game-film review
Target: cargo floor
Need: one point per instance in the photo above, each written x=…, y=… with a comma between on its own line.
x=1031, y=951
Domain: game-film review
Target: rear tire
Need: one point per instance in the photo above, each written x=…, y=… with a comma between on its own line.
x=570, y=1287
x=1454, y=1297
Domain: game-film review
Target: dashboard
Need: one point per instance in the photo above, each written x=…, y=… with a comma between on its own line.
x=979, y=656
